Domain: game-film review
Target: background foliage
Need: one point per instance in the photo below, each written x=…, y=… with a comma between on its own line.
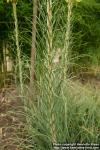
x=86, y=30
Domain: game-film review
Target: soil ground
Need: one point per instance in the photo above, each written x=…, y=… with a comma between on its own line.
x=9, y=121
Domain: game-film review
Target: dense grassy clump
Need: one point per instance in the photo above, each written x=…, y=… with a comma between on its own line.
x=56, y=110
x=67, y=113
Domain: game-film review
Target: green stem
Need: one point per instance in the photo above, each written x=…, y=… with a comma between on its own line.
x=17, y=45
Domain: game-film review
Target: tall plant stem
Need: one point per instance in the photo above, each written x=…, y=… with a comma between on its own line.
x=49, y=51
x=4, y=62
x=67, y=48
x=67, y=45
x=17, y=44
x=33, y=48
x=49, y=25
